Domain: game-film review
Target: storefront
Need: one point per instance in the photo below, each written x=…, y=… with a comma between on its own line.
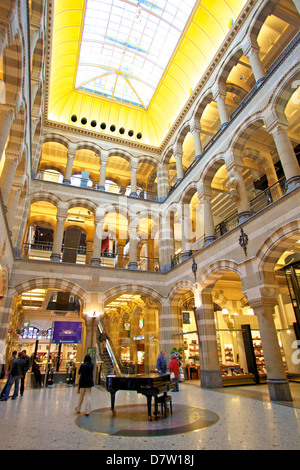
x=240, y=351
x=55, y=346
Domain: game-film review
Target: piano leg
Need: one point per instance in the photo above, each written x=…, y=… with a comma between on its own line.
x=149, y=403
x=112, y=401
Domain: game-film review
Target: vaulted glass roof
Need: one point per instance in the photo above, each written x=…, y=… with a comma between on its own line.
x=127, y=45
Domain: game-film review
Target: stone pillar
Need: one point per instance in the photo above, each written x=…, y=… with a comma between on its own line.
x=120, y=248
x=178, y=157
x=89, y=250
x=133, y=226
x=237, y=191
x=208, y=221
x=278, y=383
x=102, y=175
x=166, y=242
x=13, y=204
x=3, y=39
x=7, y=115
x=166, y=330
x=210, y=372
x=196, y=131
x=7, y=175
x=185, y=231
x=219, y=97
x=251, y=50
x=59, y=234
x=133, y=170
x=162, y=182
x=69, y=167
x=286, y=153
x=97, y=245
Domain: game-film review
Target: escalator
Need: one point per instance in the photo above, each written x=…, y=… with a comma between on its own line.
x=111, y=363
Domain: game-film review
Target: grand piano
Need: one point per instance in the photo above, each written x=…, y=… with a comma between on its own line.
x=148, y=385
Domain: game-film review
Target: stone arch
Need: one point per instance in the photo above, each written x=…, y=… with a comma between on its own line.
x=114, y=292
x=211, y=274
x=44, y=196
x=275, y=245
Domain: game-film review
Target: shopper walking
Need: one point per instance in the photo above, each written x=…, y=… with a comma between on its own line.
x=174, y=370
x=27, y=367
x=161, y=364
x=9, y=365
x=17, y=371
x=86, y=382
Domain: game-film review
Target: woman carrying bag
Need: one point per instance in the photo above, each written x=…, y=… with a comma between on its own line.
x=86, y=382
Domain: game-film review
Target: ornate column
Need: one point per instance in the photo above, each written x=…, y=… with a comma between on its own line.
x=8, y=174
x=133, y=170
x=208, y=221
x=102, y=175
x=7, y=115
x=219, y=97
x=178, y=157
x=133, y=226
x=263, y=307
x=251, y=50
x=59, y=234
x=69, y=167
x=210, y=372
x=237, y=190
x=286, y=153
x=196, y=131
x=97, y=246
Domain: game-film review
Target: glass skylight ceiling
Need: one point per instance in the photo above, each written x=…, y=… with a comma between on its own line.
x=126, y=46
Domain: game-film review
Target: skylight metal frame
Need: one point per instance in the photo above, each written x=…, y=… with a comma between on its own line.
x=126, y=46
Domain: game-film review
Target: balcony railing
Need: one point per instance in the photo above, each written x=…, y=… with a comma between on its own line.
x=267, y=197
x=109, y=187
x=43, y=250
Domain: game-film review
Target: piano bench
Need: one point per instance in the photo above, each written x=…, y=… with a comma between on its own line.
x=163, y=400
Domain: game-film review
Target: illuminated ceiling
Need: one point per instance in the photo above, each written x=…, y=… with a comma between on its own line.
x=82, y=83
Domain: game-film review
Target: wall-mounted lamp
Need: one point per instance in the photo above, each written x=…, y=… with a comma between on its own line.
x=243, y=241
x=194, y=268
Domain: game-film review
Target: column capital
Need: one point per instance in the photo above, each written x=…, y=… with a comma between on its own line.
x=195, y=126
x=250, y=46
x=133, y=165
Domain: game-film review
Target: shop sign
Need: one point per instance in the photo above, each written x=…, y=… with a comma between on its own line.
x=138, y=338
x=66, y=332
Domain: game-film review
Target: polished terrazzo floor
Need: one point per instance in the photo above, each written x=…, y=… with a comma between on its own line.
x=232, y=418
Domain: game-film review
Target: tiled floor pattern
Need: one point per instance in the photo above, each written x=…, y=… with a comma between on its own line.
x=235, y=418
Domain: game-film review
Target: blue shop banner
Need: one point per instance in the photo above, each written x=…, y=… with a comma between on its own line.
x=67, y=332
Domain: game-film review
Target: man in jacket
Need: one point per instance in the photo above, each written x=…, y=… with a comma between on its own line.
x=27, y=367
x=18, y=370
x=8, y=372
x=161, y=364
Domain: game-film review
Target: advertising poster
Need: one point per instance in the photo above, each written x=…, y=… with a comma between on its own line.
x=66, y=332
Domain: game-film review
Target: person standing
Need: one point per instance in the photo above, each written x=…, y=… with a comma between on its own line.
x=8, y=372
x=174, y=368
x=161, y=364
x=17, y=371
x=86, y=382
x=27, y=367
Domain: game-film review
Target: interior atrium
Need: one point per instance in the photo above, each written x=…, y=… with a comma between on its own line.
x=150, y=187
